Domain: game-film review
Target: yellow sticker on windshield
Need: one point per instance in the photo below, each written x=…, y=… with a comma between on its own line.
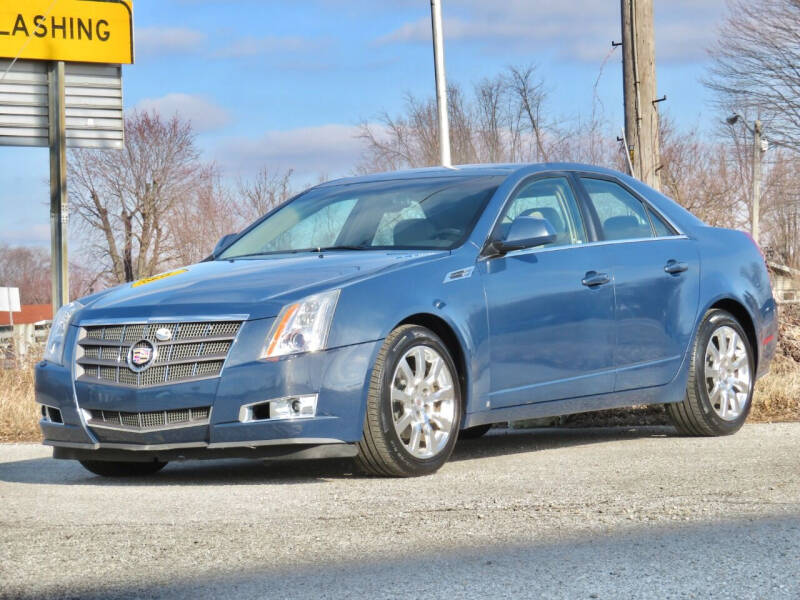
x=147, y=280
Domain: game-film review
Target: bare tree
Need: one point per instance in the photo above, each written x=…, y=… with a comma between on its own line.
x=530, y=95
x=780, y=207
x=500, y=121
x=123, y=200
x=703, y=176
x=756, y=67
x=207, y=213
x=268, y=190
x=405, y=141
x=26, y=268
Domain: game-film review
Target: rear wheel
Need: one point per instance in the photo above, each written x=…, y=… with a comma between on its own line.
x=108, y=468
x=413, y=406
x=722, y=374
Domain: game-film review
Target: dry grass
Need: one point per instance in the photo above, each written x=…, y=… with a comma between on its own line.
x=19, y=414
x=777, y=395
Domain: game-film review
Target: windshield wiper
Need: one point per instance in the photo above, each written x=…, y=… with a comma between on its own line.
x=327, y=248
x=266, y=253
x=297, y=251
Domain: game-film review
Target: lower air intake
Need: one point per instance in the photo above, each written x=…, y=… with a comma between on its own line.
x=148, y=421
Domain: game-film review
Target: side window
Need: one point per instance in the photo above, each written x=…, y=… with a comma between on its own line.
x=661, y=227
x=550, y=199
x=622, y=216
x=316, y=231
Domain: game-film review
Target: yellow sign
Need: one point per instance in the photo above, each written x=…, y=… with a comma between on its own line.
x=147, y=280
x=70, y=30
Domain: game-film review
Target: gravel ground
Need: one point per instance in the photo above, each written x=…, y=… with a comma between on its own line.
x=549, y=513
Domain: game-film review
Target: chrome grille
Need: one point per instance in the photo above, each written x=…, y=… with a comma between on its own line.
x=148, y=421
x=196, y=350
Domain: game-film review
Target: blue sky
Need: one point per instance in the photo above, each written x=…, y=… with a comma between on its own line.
x=284, y=84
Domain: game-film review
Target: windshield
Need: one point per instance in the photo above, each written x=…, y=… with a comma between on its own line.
x=433, y=213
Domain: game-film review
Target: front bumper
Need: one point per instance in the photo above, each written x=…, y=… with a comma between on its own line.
x=339, y=378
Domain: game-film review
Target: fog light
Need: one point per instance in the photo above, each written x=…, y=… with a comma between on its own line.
x=290, y=407
x=295, y=407
x=51, y=414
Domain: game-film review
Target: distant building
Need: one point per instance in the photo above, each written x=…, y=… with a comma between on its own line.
x=785, y=282
x=29, y=333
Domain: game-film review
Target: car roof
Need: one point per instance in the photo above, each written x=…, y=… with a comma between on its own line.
x=502, y=169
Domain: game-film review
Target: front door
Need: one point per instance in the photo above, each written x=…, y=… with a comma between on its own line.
x=550, y=309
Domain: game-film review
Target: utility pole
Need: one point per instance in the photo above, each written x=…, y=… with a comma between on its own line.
x=759, y=148
x=757, y=152
x=639, y=90
x=441, y=82
x=59, y=209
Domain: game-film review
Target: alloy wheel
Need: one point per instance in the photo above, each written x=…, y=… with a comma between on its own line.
x=727, y=373
x=423, y=401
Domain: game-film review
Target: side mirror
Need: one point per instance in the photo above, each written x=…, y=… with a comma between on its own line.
x=525, y=232
x=223, y=243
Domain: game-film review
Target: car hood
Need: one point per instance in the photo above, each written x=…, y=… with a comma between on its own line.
x=247, y=288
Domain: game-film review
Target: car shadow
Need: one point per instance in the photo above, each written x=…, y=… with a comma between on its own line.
x=503, y=441
x=498, y=442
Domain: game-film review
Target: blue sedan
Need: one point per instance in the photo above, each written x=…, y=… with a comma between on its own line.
x=383, y=317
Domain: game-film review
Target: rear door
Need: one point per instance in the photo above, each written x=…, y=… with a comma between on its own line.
x=656, y=279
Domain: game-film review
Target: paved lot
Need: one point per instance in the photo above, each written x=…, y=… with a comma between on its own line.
x=626, y=513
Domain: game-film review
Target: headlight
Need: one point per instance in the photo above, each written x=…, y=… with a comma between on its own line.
x=302, y=326
x=54, y=351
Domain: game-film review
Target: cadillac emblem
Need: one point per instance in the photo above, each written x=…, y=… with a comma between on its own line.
x=141, y=355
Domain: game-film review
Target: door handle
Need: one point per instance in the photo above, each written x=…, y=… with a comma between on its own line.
x=593, y=278
x=673, y=267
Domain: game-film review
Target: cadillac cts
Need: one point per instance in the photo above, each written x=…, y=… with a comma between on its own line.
x=383, y=317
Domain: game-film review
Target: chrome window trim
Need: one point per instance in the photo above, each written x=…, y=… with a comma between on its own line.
x=586, y=245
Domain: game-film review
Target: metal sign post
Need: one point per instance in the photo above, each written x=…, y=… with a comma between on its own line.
x=59, y=208
x=47, y=102
x=9, y=302
x=441, y=82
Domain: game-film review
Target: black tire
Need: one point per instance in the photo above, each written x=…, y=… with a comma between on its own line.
x=108, y=468
x=695, y=415
x=381, y=451
x=473, y=433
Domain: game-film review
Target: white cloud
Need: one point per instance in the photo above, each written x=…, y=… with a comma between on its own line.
x=204, y=114
x=157, y=41
x=332, y=150
x=577, y=30
x=32, y=235
x=252, y=46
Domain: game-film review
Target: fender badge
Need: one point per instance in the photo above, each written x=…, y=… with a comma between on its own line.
x=459, y=274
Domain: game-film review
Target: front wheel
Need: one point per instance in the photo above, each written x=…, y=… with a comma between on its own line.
x=110, y=468
x=721, y=379
x=413, y=406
